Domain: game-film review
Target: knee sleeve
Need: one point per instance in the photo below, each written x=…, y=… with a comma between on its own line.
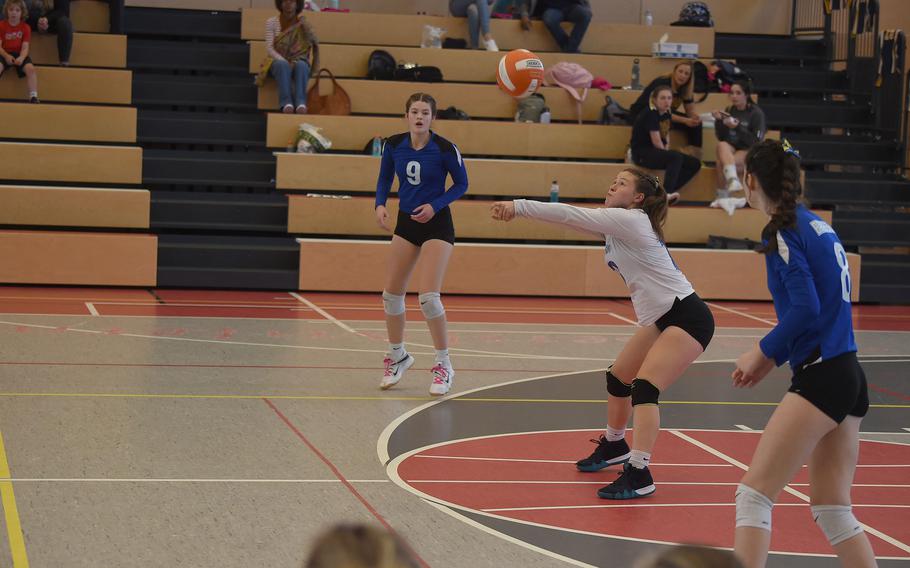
x=393, y=304
x=617, y=387
x=837, y=522
x=643, y=392
x=752, y=508
x=431, y=305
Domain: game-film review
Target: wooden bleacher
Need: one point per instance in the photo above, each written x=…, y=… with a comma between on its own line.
x=73, y=85
x=355, y=217
x=479, y=101
x=403, y=30
x=89, y=50
x=52, y=206
x=31, y=162
x=78, y=258
x=516, y=178
x=90, y=16
x=516, y=270
x=79, y=123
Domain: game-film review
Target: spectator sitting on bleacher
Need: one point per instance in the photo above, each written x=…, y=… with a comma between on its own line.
x=478, y=14
x=553, y=12
x=738, y=128
x=651, y=145
x=44, y=16
x=290, y=42
x=15, y=35
x=683, y=86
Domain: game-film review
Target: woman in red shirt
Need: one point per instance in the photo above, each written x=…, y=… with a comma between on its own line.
x=15, y=36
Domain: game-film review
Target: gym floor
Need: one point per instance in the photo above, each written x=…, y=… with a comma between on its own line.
x=217, y=428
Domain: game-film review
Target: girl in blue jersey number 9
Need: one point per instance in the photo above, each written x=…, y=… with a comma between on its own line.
x=675, y=324
x=422, y=160
x=818, y=419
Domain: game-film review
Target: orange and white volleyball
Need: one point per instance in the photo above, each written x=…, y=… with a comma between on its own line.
x=520, y=73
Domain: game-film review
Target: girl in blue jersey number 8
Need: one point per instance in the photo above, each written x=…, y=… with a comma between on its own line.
x=818, y=419
x=676, y=325
x=422, y=160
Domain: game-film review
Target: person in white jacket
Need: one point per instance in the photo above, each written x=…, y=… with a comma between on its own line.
x=675, y=325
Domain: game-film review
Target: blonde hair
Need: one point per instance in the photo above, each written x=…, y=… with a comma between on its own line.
x=22, y=6
x=687, y=90
x=360, y=546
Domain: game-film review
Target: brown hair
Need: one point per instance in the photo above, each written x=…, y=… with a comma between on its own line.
x=22, y=6
x=777, y=170
x=687, y=90
x=655, y=201
x=658, y=90
x=299, y=3
x=359, y=546
x=421, y=97
x=689, y=556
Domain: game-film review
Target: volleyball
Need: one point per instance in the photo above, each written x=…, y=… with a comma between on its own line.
x=520, y=73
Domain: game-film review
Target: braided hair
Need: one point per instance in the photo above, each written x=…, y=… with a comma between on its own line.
x=776, y=166
x=655, y=201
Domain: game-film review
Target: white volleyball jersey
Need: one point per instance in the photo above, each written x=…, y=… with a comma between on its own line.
x=632, y=250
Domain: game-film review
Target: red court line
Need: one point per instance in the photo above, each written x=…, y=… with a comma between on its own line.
x=342, y=479
x=888, y=392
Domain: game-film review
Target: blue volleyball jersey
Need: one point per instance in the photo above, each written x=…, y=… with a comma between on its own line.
x=809, y=280
x=421, y=173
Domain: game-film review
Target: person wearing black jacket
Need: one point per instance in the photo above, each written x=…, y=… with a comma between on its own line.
x=738, y=128
x=682, y=85
x=553, y=12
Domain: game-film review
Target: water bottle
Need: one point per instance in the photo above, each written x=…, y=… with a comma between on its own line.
x=377, y=146
x=554, y=192
x=292, y=145
x=545, y=117
x=332, y=4
x=636, y=75
x=649, y=18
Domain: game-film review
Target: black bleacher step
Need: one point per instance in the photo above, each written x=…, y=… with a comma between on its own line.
x=784, y=114
x=219, y=212
x=816, y=149
x=213, y=168
x=143, y=54
x=871, y=227
x=182, y=23
x=884, y=292
x=785, y=78
x=227, y=278
x=846, y=189
x=886, y=267
x=750, y=47
x=197, y=91
x=220, y=128
x=235, y=252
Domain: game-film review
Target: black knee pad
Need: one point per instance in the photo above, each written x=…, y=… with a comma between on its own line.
x=643, y=392
x=617, y=387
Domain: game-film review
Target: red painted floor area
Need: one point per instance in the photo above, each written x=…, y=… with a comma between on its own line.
x=532, y=478
x=360, y=307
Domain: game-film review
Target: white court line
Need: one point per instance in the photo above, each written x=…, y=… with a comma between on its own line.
x=742, y=314
x=907, y=429
x=471, y=458
x=325, y=314
x=601, y=482
x=590, y=332
x=743, y=427
x=646, y=505
x=91, y=309
x=619, y=317
x=177, y=480
x=890, y=540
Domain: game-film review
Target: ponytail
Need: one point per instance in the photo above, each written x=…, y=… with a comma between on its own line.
x=655, y=201
x=776, y=166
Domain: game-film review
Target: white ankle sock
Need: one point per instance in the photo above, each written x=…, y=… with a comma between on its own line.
x=396, y=351
x=730, y=172
x=640, y=459
x=33, y=94
x=615, y=435
x=442, y=356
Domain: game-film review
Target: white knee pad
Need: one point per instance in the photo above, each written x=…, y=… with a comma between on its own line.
x=393, y=304
x=431, y=305
x=836, y=521
x=752, y=508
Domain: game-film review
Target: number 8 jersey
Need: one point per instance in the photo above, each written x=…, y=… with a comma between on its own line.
x=421, y=173
x=809, y=280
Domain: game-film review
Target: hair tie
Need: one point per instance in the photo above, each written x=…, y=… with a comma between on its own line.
x=788, y=148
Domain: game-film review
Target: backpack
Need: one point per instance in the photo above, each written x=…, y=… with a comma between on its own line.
x=423, y=74
x=727, y=73
x=704, y=80
x=381, y=66
x=452, y=113
x=530, y=108
x=614, y=114
x=695, y=14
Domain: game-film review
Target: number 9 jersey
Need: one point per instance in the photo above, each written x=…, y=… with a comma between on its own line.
x=809, y=280
x=421, y=173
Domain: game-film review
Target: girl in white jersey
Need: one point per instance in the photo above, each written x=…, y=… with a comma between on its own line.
x=675, y=324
